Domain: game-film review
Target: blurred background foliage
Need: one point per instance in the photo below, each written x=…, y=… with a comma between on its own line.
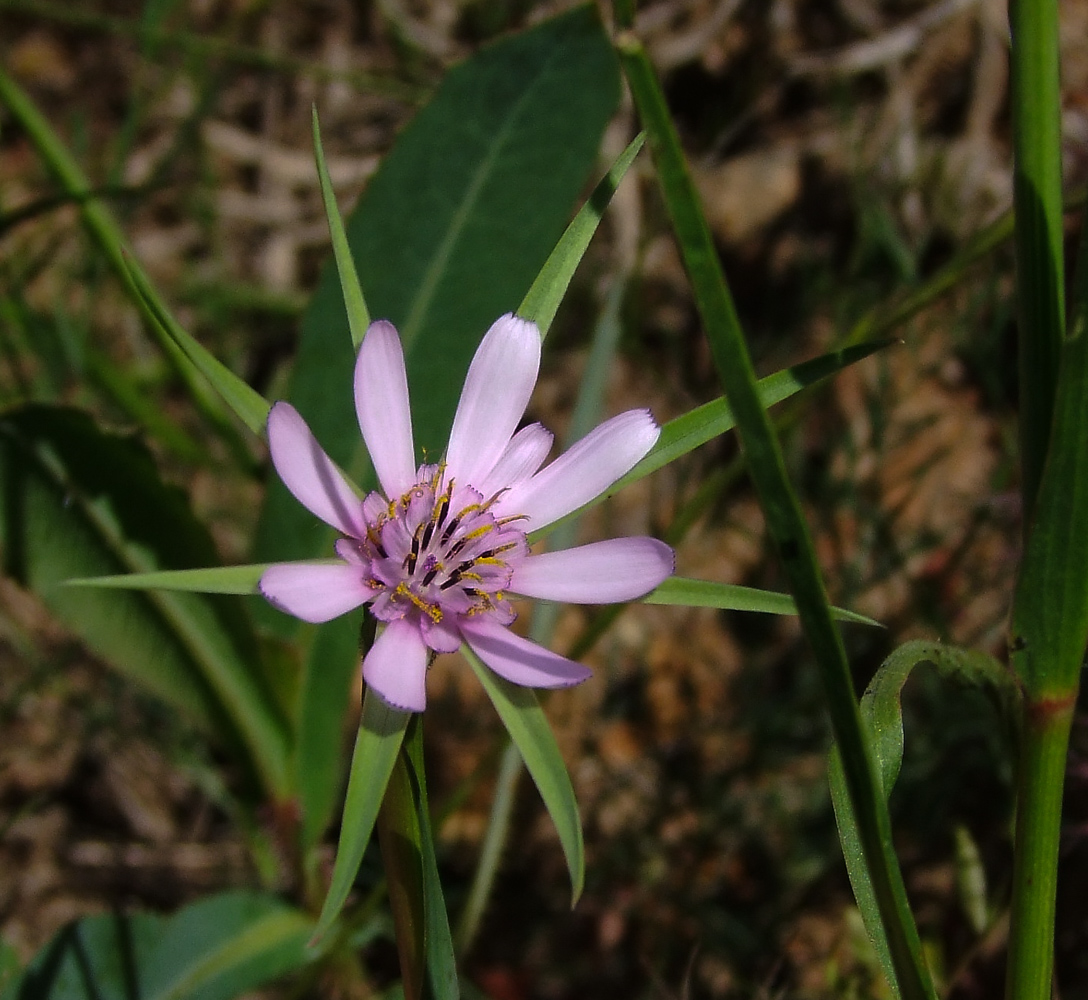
x=846, y=151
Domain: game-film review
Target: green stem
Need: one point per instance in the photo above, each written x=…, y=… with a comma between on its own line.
x=1036, y=109
x=785, y=522
x=1044, y=741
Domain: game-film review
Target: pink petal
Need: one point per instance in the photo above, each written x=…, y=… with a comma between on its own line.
x=587, y=469
x=520, y=660
x=497, y=389
x=620, y=569
x=523, y=456
x=310, y=474
x=381, y=403
x=314, y=592
x=443, y=636
x=396, y=666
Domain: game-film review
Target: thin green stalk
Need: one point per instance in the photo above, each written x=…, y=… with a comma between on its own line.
x=1044, y=741
x=1037, y=192
x=785, y=522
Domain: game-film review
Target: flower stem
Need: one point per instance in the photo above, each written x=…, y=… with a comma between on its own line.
x=1044, y=741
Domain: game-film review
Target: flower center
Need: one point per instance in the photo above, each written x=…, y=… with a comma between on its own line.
x=439, y=550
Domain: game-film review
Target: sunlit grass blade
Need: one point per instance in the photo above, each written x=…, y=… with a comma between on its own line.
x=785, y=522
x=354, y=302
x=542, y=300
x=381, y=732
x=248, y=404
x=529, y=729
x=688, y=593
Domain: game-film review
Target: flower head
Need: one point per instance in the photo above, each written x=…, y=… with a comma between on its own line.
x=438, y=554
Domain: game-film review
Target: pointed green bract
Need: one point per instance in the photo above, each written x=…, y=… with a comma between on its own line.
x=685, y=433
x=206, y=580
x=358, y=316
x=681, y=591
x=381, y=732
x=542, y=300
x=528, y=727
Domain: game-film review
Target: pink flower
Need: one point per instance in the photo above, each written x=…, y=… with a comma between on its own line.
x=439, y=552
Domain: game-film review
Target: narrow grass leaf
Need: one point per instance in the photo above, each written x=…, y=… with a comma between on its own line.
x=882, y=715
x=381, y=732
x=106, y=233
x=528, y=727
x=248, y=404
x=542, y=300
x=358, y=315
x=785, y=522
x=685, y=592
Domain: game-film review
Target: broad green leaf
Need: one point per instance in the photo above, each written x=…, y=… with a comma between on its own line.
x=214, y=949
x=528, y=727
x=882, y=716
x=690, y=593
x=1050, y=606
x=542, y=300
x=685, y=433
x=381, y=731
x=354, y=303
x=450, y=233
x=77, y=502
